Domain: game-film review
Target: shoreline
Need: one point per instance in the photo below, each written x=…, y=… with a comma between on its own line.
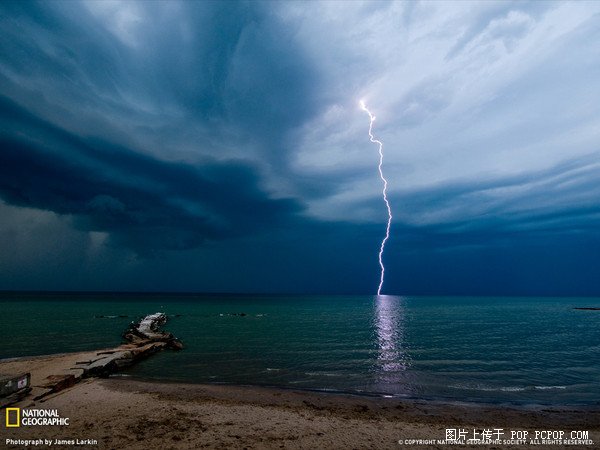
x=122, y=412
x=32, y=363
x=391, y=407
x=523, y=406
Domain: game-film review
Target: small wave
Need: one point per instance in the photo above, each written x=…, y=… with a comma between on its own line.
x=322, y=374
x=520, y=389
x=269, y=369
x=507, y=388
x=494, y=389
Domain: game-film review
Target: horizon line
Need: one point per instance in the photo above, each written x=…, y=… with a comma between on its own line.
x=207, y=293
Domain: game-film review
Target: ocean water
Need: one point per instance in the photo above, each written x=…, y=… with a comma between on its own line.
x=483, y=349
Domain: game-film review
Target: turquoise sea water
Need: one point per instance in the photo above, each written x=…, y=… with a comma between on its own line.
x=515, y=350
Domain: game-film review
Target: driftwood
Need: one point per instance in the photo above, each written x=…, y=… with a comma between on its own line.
x=588, y=309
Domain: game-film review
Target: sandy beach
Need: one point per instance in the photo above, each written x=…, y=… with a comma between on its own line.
x=124, y=413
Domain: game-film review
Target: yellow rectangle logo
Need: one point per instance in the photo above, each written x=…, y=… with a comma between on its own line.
x=16, y=419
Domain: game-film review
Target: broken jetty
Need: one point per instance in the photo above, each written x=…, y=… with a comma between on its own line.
x=142, y=338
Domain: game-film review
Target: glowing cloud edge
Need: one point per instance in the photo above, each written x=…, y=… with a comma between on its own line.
x=384, y=192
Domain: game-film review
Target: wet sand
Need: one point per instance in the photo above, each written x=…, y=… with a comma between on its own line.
x=123, y=413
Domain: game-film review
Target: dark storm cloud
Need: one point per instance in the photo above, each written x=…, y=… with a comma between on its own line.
x=145, y=203
x=560, y=198
x=229, y=68
x=533, y=207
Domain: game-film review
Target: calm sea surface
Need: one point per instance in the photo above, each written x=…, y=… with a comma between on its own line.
x=515, y=350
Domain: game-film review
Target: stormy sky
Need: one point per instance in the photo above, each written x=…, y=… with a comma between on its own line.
x=220, y=146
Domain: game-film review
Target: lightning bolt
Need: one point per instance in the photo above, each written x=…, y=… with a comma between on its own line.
x=384, y=192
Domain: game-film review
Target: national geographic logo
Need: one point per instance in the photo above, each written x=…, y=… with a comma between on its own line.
x=13, y=417
x=17, y=417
